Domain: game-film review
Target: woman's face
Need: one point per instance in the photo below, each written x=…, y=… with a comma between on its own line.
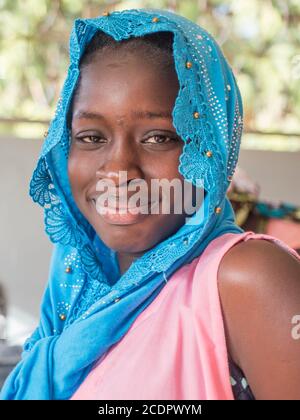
x=121, y=121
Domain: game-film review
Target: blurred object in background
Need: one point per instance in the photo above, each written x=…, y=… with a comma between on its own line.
x=9, y=354
x=241, y=182
x=9, y=357
x=278, y=219
x=3, y=314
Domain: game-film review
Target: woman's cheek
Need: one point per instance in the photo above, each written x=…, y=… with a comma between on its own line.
x=78, y=170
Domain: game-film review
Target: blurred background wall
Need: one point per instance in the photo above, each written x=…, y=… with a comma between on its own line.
x=261, y=40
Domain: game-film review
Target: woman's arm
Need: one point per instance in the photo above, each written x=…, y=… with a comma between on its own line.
x=259, y=285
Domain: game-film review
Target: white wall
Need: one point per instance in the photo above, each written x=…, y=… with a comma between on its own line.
x=24, y=247
x=278, y=173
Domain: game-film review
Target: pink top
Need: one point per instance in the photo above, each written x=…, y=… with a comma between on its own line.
x=286, y=230
x=176, y=348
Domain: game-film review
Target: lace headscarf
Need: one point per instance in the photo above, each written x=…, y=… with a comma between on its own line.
x=85, y=308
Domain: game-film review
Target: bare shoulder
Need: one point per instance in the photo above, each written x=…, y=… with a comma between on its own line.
x=259, y=285
x=259, y=265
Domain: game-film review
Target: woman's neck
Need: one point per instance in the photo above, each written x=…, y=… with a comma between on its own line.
x=125, y=260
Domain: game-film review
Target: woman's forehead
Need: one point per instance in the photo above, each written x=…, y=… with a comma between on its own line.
x=133, y=61
x=127, y=83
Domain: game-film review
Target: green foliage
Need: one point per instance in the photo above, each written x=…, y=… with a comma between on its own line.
x=260, y=38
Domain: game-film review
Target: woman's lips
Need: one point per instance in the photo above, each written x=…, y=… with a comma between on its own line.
x=123, y=215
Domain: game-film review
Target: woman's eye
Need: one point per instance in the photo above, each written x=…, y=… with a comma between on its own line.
x=90, y=139
x=155, y=139
x=159, y=139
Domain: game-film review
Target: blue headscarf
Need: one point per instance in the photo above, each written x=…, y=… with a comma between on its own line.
x=88, y=306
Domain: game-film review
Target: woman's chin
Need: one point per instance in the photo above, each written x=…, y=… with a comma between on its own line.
x=119, y=239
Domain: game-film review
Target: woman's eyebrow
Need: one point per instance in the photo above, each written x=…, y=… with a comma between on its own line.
x=151, y=114
x=136, y=114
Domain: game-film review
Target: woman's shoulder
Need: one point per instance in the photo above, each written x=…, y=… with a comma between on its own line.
x=259, y=286
x=263, y=260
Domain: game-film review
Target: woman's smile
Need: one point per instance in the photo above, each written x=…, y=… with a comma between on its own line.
x=123, y=214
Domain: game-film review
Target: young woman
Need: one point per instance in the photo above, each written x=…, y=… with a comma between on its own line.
x=154, y=305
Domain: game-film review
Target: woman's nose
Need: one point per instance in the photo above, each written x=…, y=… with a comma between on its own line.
x=122, y=161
